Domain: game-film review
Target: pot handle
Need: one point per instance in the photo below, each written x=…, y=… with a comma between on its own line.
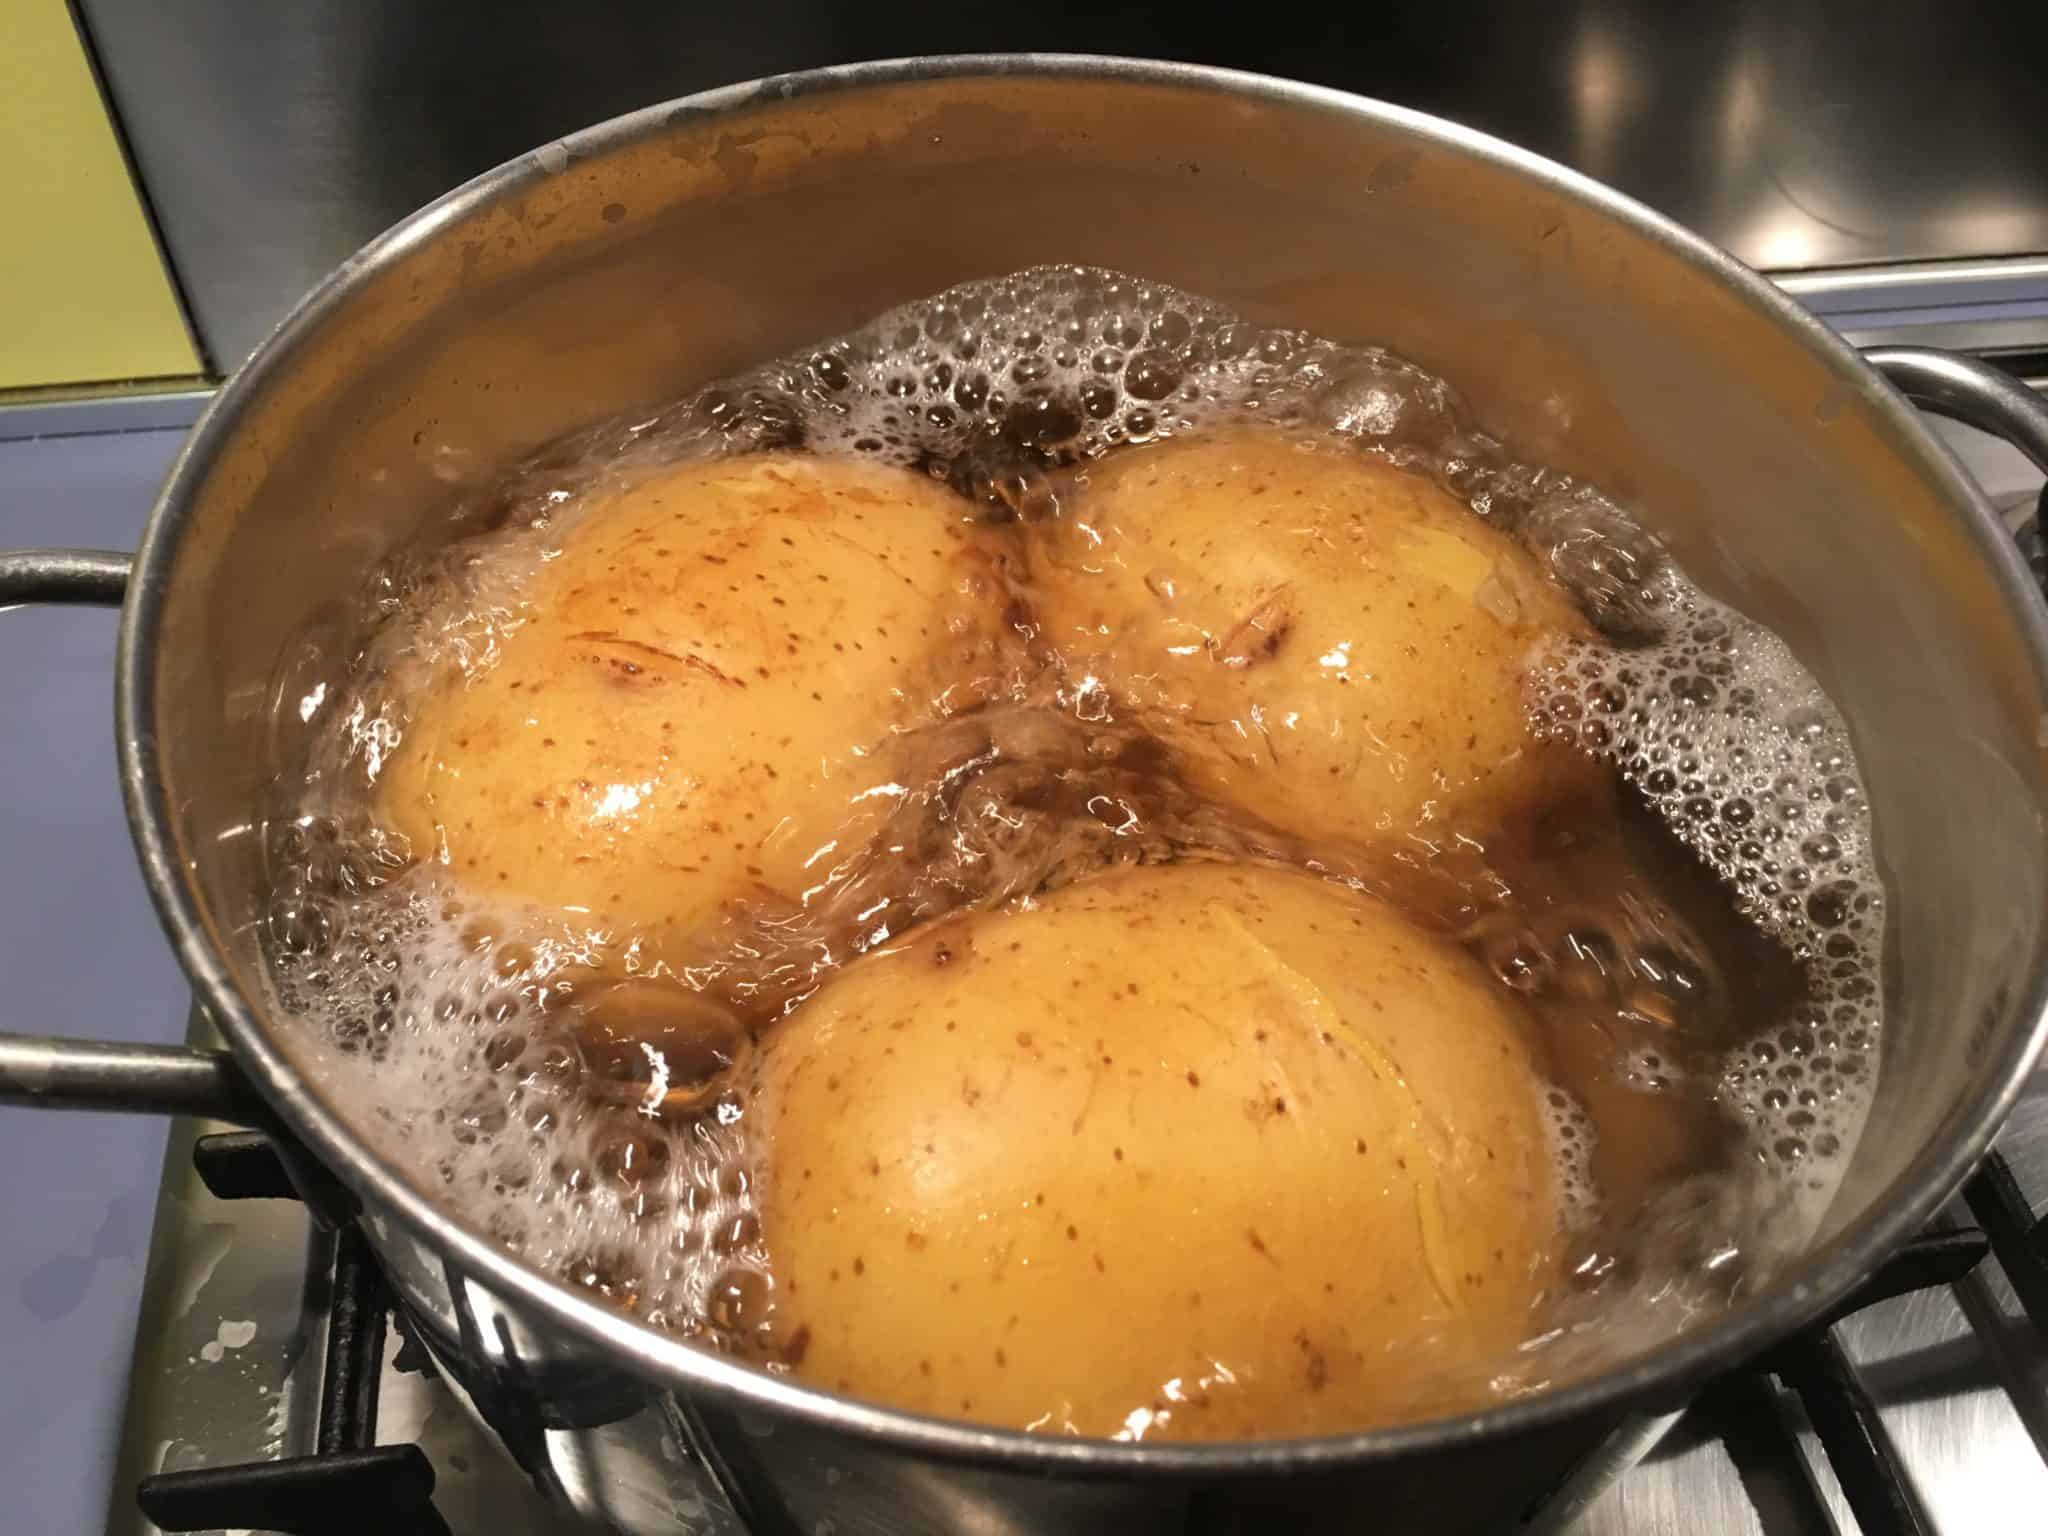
x=42, y=1072
x=95, y=576
x=1964, y=389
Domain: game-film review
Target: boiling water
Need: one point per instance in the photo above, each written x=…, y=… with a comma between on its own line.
x=1731, y=977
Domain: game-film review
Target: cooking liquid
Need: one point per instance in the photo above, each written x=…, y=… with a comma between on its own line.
x=1706, y=989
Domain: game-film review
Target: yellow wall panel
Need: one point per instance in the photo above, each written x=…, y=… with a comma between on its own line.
x=83, y=294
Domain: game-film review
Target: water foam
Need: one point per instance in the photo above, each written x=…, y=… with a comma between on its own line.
x=449, y=1026
x=1570, y=1137
x=1737, y=748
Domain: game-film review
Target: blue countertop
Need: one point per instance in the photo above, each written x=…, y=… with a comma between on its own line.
x=81, y=955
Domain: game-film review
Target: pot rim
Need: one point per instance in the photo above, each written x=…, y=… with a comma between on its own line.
x=1663, y=1375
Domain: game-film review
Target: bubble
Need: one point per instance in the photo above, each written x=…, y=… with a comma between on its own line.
x=1590, y=959
x=1807, y=723
x=632, y=1157
x=301, y=929
x=1520, y=961
x=1570, y=1137
x=503, y=1050
x=1152, y=375
x=830, y=370
x=1821, y=848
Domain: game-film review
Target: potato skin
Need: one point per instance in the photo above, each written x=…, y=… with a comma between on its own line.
x=1332, y=644
x=701, y=692
x=1193, y=1151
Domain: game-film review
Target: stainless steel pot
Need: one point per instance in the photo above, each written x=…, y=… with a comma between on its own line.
x=625, y=264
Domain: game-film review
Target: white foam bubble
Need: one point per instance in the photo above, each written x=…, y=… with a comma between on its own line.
x=987, y=380
x=1569, y=1134
x=1734, y=744
x=454, y=1032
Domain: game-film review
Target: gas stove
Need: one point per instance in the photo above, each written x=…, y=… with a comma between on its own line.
x=271, y=1388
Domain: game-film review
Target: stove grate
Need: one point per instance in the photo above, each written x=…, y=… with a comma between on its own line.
x=349, y=1481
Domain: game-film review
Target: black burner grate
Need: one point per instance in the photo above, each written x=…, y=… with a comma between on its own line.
x=2017, y=1237
x=1743, y=1409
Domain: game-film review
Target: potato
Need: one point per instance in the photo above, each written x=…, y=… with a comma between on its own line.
x=697, y=705
x=1188, y=1151
x=1333, y=644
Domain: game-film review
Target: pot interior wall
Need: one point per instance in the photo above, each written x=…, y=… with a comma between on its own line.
x=629, y=266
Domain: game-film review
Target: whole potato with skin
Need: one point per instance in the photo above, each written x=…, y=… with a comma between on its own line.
x=1332, y=644
x=698, y=702
x=1192, y=1151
